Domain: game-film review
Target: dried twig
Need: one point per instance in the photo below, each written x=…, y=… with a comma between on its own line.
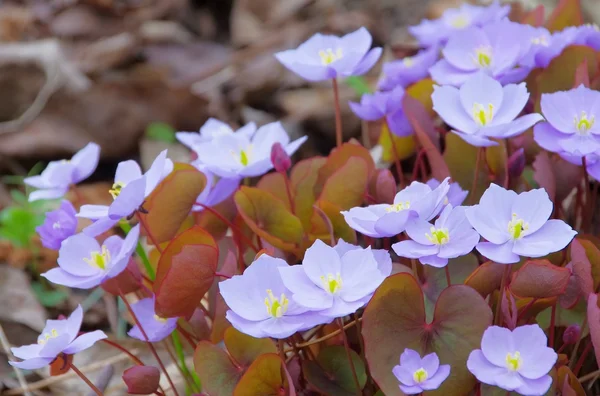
x=20, y=377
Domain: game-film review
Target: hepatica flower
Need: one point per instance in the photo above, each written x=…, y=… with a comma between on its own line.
x=211, y=129
x=517, y=225
x=432, y=32
x=155, y=327
x=239, y=155
x=517, y=360
x=494, y=49
x=482, y=109
x=217, y=188
x=450, y=236
x=384, y=220
x=84, y=263
x=58, y=225
x=455, y=196
x=571, y=122
x=387, y=105
x=543, y=47
x=55, y=180
x=417, y=374
x=58, y=337
x=406, y=71
x=323, y=57
x=129, y=191
x=261, y=306
x=334, y=285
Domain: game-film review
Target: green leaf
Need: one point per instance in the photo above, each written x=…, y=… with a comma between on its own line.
x=461, y=315
x=333, y=374
x=267, y=376
x=566, y=13
x=49, y=298
x=358, y=84
x=161, y=132
x=246, y=349
x=18, y=225
x=217, y=372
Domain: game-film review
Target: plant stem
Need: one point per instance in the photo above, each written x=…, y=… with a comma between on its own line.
x=397, y=162
x=576, y=347
x=288, y=190
x=233, y=227
x=139, y=249
x=505, y=275
x=476, y=174
x=86, y=380
x=552, y=323
x=125, y=351
x=338, y=114
x=417, y=164
x=148, y=232
x=281, y=348
x=349, y=355
x=584, y=354
x=588, y=196
x=152, y=349
x=448, y=276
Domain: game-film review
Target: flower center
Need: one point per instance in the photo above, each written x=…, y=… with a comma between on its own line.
x=46, y=336
x=243, y=158
x=56, y=225
x=514, y=361
x=420, y=375
x=583, y=123
x=98, y=259
x=116, y=189
x=331, y=283
x=408, y=61
x=438, y=236
x=159, y=319
x=483, y=57
x=399, y=207
x=516, y=227
x=328, y=56
x=481, y=115
x=276, y=307
x=460, y=21
x=541, y=40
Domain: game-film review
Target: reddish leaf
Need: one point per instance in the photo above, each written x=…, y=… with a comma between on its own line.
x=186, y=271
x=332, y=374
x=433, y=280
x=304, y=178
x=275, y=184
x=572, y=293
x=460, y=317
x=539, y=279
x=264, y=378
x=127, y=281
x=544, y=174
x=586, y=264
x=382, y=186
x=593, y=317
x=566, y=13
x=426, y=134
x=346, y=186
x=341, y=229
x=509, y=310
x=581, y=75
x=172, y=200
x=486, y=278
x=218, y=373
x=61, y=365
x=141, y=380
x=246, y=349
x=534, y=17
x=568, y=383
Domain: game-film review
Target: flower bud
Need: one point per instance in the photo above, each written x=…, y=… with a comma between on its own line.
x=141, y=380
x=280, y=159
x=516, y=164
x=572, y=334
x=383, y=186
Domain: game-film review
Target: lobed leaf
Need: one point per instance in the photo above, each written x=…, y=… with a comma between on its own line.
x=264, y=378
x=486, y=278
x=216, y=371
x=566, y=13
x=332, y=374
x=246, y=349
x=346, y=186
x=539, y=279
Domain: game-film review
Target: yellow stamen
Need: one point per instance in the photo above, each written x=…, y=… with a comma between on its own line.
x=439, y=236
x=583, y=123
x=400, y=206
x=159, y=319
x=513, y=361
x=516, y=227
x=460, y=21
x=542, y=40
x=420, y=375
x=483, y=57
x=408, y=61
x=244, y=158
x=276, y=307
x=116, y=189
x=328, y=56
x=331, y=283
x=52, y=334
x=481, y=115
x=98, y=259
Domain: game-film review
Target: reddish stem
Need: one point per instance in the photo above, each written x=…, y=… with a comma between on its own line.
x=584, y=354
x=396, y=157
x=349, y=356
x=152, y=349
x=448, y=276
x=187, y=336
x=288, y=191
x=86, y=380
x=552, y=323
x=476, y=174
x=338, y=114
x=222, y=275
x=148, y=233
x=233, y=227
x=125, y=351
x=417, y=164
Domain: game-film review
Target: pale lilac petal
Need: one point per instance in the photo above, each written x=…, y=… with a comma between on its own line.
x=404, y=375
x=85, y=162
x=257, y=168
x=436, y=380
x=496, y=343
x=430, y=363
x=412, y=249
x=481, y=89
x=535, y=387
x=266, y=136
x=514, y=128
x=411, y=390
x=156, y=173
x=360, y=274
x=553, y=236
x=491, y=374
x=502, y=253
x=73, y=323
x=418, y=229
x=393, y=223
x=292, y=147
x=93, y=211
x=434, y=260
x=289, y=59
x=359, y=40
x=250, y=327
x=365, y=112
x=490, y=218
x=366, y=225
x=127, y=171
x=367, y=62
x=456, y=248
x=475, y=140
x=32, y=364
x=538, y=359
x=72, y=253
x=243, y=299
x=399, y=124
x=305, y=292
x=222, y=190
x=548, y=137
x=559, y=110
x=463, y=43
x=580, y=145
x=36, y=181
x=99, y=226
x=51, y=193
x=189, y=139
x=84, y=341
x=410, y=359
x=513, y=101
x=341, y=308
x=446, y=102
x=27, y=351
x=129, y=199
x=444, y=73
x=534, y=207
x=321, y=259
x=60, y=277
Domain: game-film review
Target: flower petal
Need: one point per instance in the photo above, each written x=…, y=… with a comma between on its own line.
x=551, y=237
x=483, y=90
x=446, y=102
x=321, y=260
x=84, y=341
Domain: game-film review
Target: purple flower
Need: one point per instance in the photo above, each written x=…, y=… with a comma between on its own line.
x=324, y=57
x=571, y=122
x=451, y=236
x=382, y=256
x=417, y=375
x=55, y=180
x=58, y=226
x=388, y=105
x=155, y=327
x=129, y=191
x=517, y=360
x=211, y=129
x=494, y=49
x=335, y=284
x=406, y=71
x=592, y=162
x=455, y=196
x=58, y=337
x=83, y=263
x=217, y=189
x=384, y=220
x=438, y=31
x=482, y=109
x=543, y=47
x=241, y=155
x=517, y=225
x=261, y=306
